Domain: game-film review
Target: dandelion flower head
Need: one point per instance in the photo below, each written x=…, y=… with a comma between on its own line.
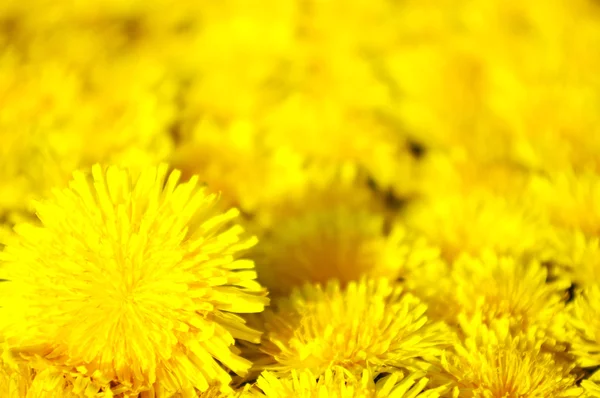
x=493, y=362
x=499, y=287
x=371, y=322
x=337, y=382
x=131, y=282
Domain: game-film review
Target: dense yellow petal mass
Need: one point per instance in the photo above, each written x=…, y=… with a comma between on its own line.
x=574, y=256
x=569, y=200
x=493, y=287
x=422, y=178
x=131, y=280
x=371, y=322
x=492, y=362
x=342, y=244
x=237, y=162
x=337, y=382
x=44, y=140
x=583, y=319
x=477, y=221
x=15, y=379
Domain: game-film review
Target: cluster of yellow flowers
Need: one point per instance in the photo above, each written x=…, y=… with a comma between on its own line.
x=299, y=198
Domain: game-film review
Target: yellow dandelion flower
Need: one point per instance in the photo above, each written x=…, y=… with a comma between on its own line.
x=342, y=243
x=369, y=323
x=575, y=257
x=492, y=362
x=322, y=187
x=55, y=383
x=474, y=222
x=132, y=281
x=337, y=382
x=584, y=321
x=15, y=379
x=337, y=229
x=502, y=288
x=44, y=141
x=440, y=173
x=457, y=69
x=485, y=57
x=569, y=200
x=322, y=246
x=235, y=162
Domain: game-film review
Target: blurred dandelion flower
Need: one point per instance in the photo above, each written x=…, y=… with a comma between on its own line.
x=474, y=222
x=132, y=283
x=236, y=162
x=569, y=200
x=340, y=243
x=334, y=228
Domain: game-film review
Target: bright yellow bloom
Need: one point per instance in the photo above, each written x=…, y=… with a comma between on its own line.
x=340, y=243
x=495, y=287
x=474, y=222
x=131, y=281
x=43, y=139
x=322, y=187
x=575, y=257
x=440, y=173
x=369, y=323
x=337, y=382
x=525, y=88
x=569, y=200
x=584, y=318
x=493, y=363
x=236, y=162
x=335, y=227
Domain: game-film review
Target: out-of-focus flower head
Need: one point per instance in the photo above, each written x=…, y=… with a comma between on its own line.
x=473, y=222
x=371, y=322
x=334, y=228
x=57, y=118
x=440, y=173
x=236, y=162
x=131, y=283
x=569, y=200
x=496, y=80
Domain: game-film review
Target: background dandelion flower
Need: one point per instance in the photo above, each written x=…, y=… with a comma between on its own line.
x=569, y=200
x=493, y=362
x=461, y=223
x=133, y=281
x=584, y=318
x=574, y=256
x=340, y=243
x=496, y=287
x=372, y=322
x=337, y=382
